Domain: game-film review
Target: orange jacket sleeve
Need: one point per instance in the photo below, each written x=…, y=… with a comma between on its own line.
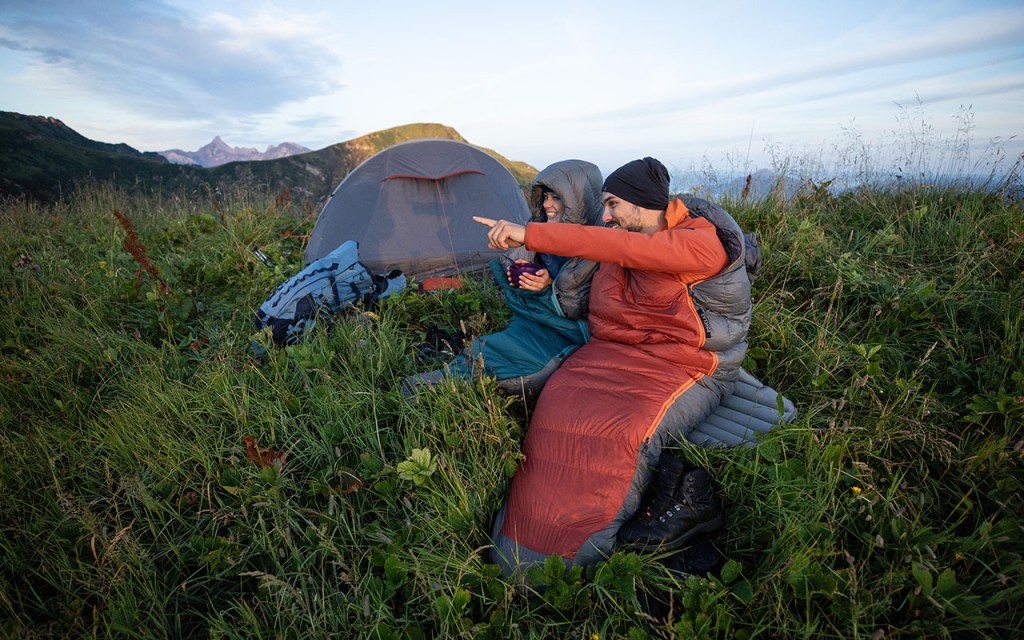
x=691, y=247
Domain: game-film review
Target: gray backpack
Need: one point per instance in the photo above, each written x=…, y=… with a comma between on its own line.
x=324, y=288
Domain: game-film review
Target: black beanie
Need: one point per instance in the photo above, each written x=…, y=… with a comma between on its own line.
x=640, y=182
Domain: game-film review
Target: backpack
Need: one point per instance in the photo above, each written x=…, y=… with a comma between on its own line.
x=325, y=287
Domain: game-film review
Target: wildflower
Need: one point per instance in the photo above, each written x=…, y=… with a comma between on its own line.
x=27, y=351
x=25, y=262
x=958, y=556
x=103, y=264
x=856, y=490
x=595, y=636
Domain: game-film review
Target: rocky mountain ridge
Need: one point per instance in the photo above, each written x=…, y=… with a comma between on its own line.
x=218, y=152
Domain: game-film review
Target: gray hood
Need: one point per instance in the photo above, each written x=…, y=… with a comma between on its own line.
x=577, y=183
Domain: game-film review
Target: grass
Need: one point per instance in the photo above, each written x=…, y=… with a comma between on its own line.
x=129, y=507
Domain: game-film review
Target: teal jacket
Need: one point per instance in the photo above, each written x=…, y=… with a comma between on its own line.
x=535, y=342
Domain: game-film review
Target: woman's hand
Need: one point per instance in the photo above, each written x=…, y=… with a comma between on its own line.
x=532, y=281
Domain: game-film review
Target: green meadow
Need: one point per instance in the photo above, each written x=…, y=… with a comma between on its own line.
x=132, y=504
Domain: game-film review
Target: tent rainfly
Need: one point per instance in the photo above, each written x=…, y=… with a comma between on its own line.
x=410, y=207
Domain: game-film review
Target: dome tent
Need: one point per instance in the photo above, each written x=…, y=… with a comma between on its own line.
x=410, y=206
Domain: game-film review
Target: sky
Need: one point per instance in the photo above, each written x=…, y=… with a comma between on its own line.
x=732, y=85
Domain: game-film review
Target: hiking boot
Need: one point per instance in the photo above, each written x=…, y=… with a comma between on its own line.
x=676, y=512
x=699, y=558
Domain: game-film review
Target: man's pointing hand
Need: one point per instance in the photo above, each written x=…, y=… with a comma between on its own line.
x=503, y=234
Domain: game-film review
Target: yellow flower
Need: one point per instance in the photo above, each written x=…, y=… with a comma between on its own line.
x=103, y=264
x=27, y=351
x=595, y=636
x=958, y=556
x=856, y=490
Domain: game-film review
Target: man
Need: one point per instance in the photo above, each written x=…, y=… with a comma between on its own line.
x=669, y=312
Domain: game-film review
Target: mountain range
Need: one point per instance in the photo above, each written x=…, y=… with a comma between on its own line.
x=43, y=159
x=218, y=152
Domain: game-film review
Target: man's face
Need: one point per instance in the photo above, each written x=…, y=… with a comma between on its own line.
x=619, y=214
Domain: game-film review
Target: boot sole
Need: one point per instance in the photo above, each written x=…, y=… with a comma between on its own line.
x=705, y=527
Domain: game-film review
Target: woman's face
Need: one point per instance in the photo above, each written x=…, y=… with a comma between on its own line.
x=553, y=206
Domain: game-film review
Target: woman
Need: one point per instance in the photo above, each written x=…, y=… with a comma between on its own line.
x=549, y=306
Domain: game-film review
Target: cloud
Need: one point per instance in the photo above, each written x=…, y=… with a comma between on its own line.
x=165, y=62
x=316, y=121
x=877, y=52
x=47, y=54
x=971, y=90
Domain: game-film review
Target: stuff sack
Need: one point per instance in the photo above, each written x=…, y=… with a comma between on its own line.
x=326, y=287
